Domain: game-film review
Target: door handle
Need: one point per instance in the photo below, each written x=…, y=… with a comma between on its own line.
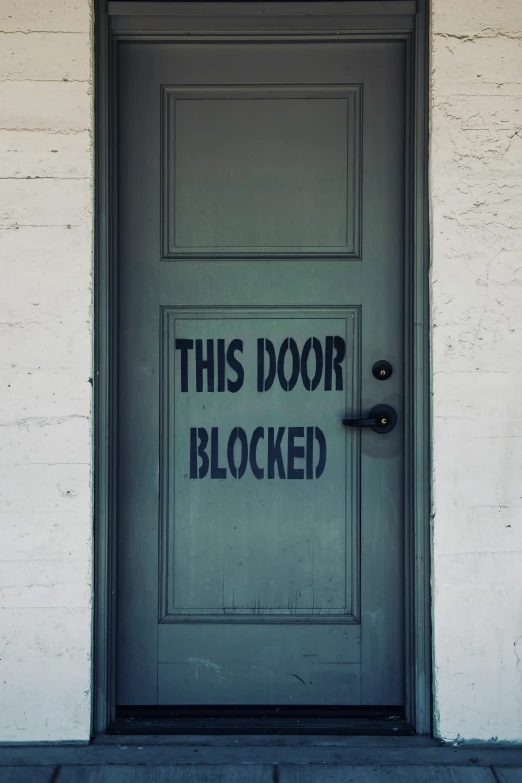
x=381, y=419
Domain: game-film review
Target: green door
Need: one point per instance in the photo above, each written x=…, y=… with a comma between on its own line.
x=260, y=278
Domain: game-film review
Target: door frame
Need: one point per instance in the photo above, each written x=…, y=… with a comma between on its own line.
x=405, y=20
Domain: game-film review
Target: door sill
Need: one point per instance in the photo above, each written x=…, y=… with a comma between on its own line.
x=334, y=721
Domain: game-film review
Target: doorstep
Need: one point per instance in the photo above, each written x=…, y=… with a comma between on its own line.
x=260, y=759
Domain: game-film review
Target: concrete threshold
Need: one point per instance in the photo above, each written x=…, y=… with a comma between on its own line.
x=260, y=759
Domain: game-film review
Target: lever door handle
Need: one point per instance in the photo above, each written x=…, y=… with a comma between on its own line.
x=381, y=419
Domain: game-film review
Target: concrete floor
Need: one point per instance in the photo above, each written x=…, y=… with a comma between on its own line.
x=263, y=759
x=259, y=774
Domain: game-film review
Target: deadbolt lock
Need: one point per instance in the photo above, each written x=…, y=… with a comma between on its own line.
x=382, y=370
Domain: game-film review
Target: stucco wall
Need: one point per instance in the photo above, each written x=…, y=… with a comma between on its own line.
x=45, y=360
x=476, y=205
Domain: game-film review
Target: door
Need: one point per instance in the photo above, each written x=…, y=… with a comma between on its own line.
x=260, y=278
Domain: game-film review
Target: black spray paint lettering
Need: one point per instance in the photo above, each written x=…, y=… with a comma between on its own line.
x=211, y=359
x=209, y=363
x=282, y=452
x=288, y=363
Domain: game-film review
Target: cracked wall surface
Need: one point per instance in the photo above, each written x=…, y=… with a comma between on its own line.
x=46, y=206
x=476, y=288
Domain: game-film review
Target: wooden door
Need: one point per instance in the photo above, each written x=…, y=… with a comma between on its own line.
x=260, y=277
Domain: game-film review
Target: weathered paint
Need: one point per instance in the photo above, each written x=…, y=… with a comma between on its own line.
x=46, y=350
x=46, y=208
x=476, y=287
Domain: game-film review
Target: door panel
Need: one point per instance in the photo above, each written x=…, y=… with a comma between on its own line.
x=261, y=232
x=306, y=196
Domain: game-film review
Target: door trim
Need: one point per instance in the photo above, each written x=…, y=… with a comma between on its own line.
x=375, y=19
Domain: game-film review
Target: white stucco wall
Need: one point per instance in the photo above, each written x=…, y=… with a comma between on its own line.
x=476, y=205
x=46, y=358
x=45, y=366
